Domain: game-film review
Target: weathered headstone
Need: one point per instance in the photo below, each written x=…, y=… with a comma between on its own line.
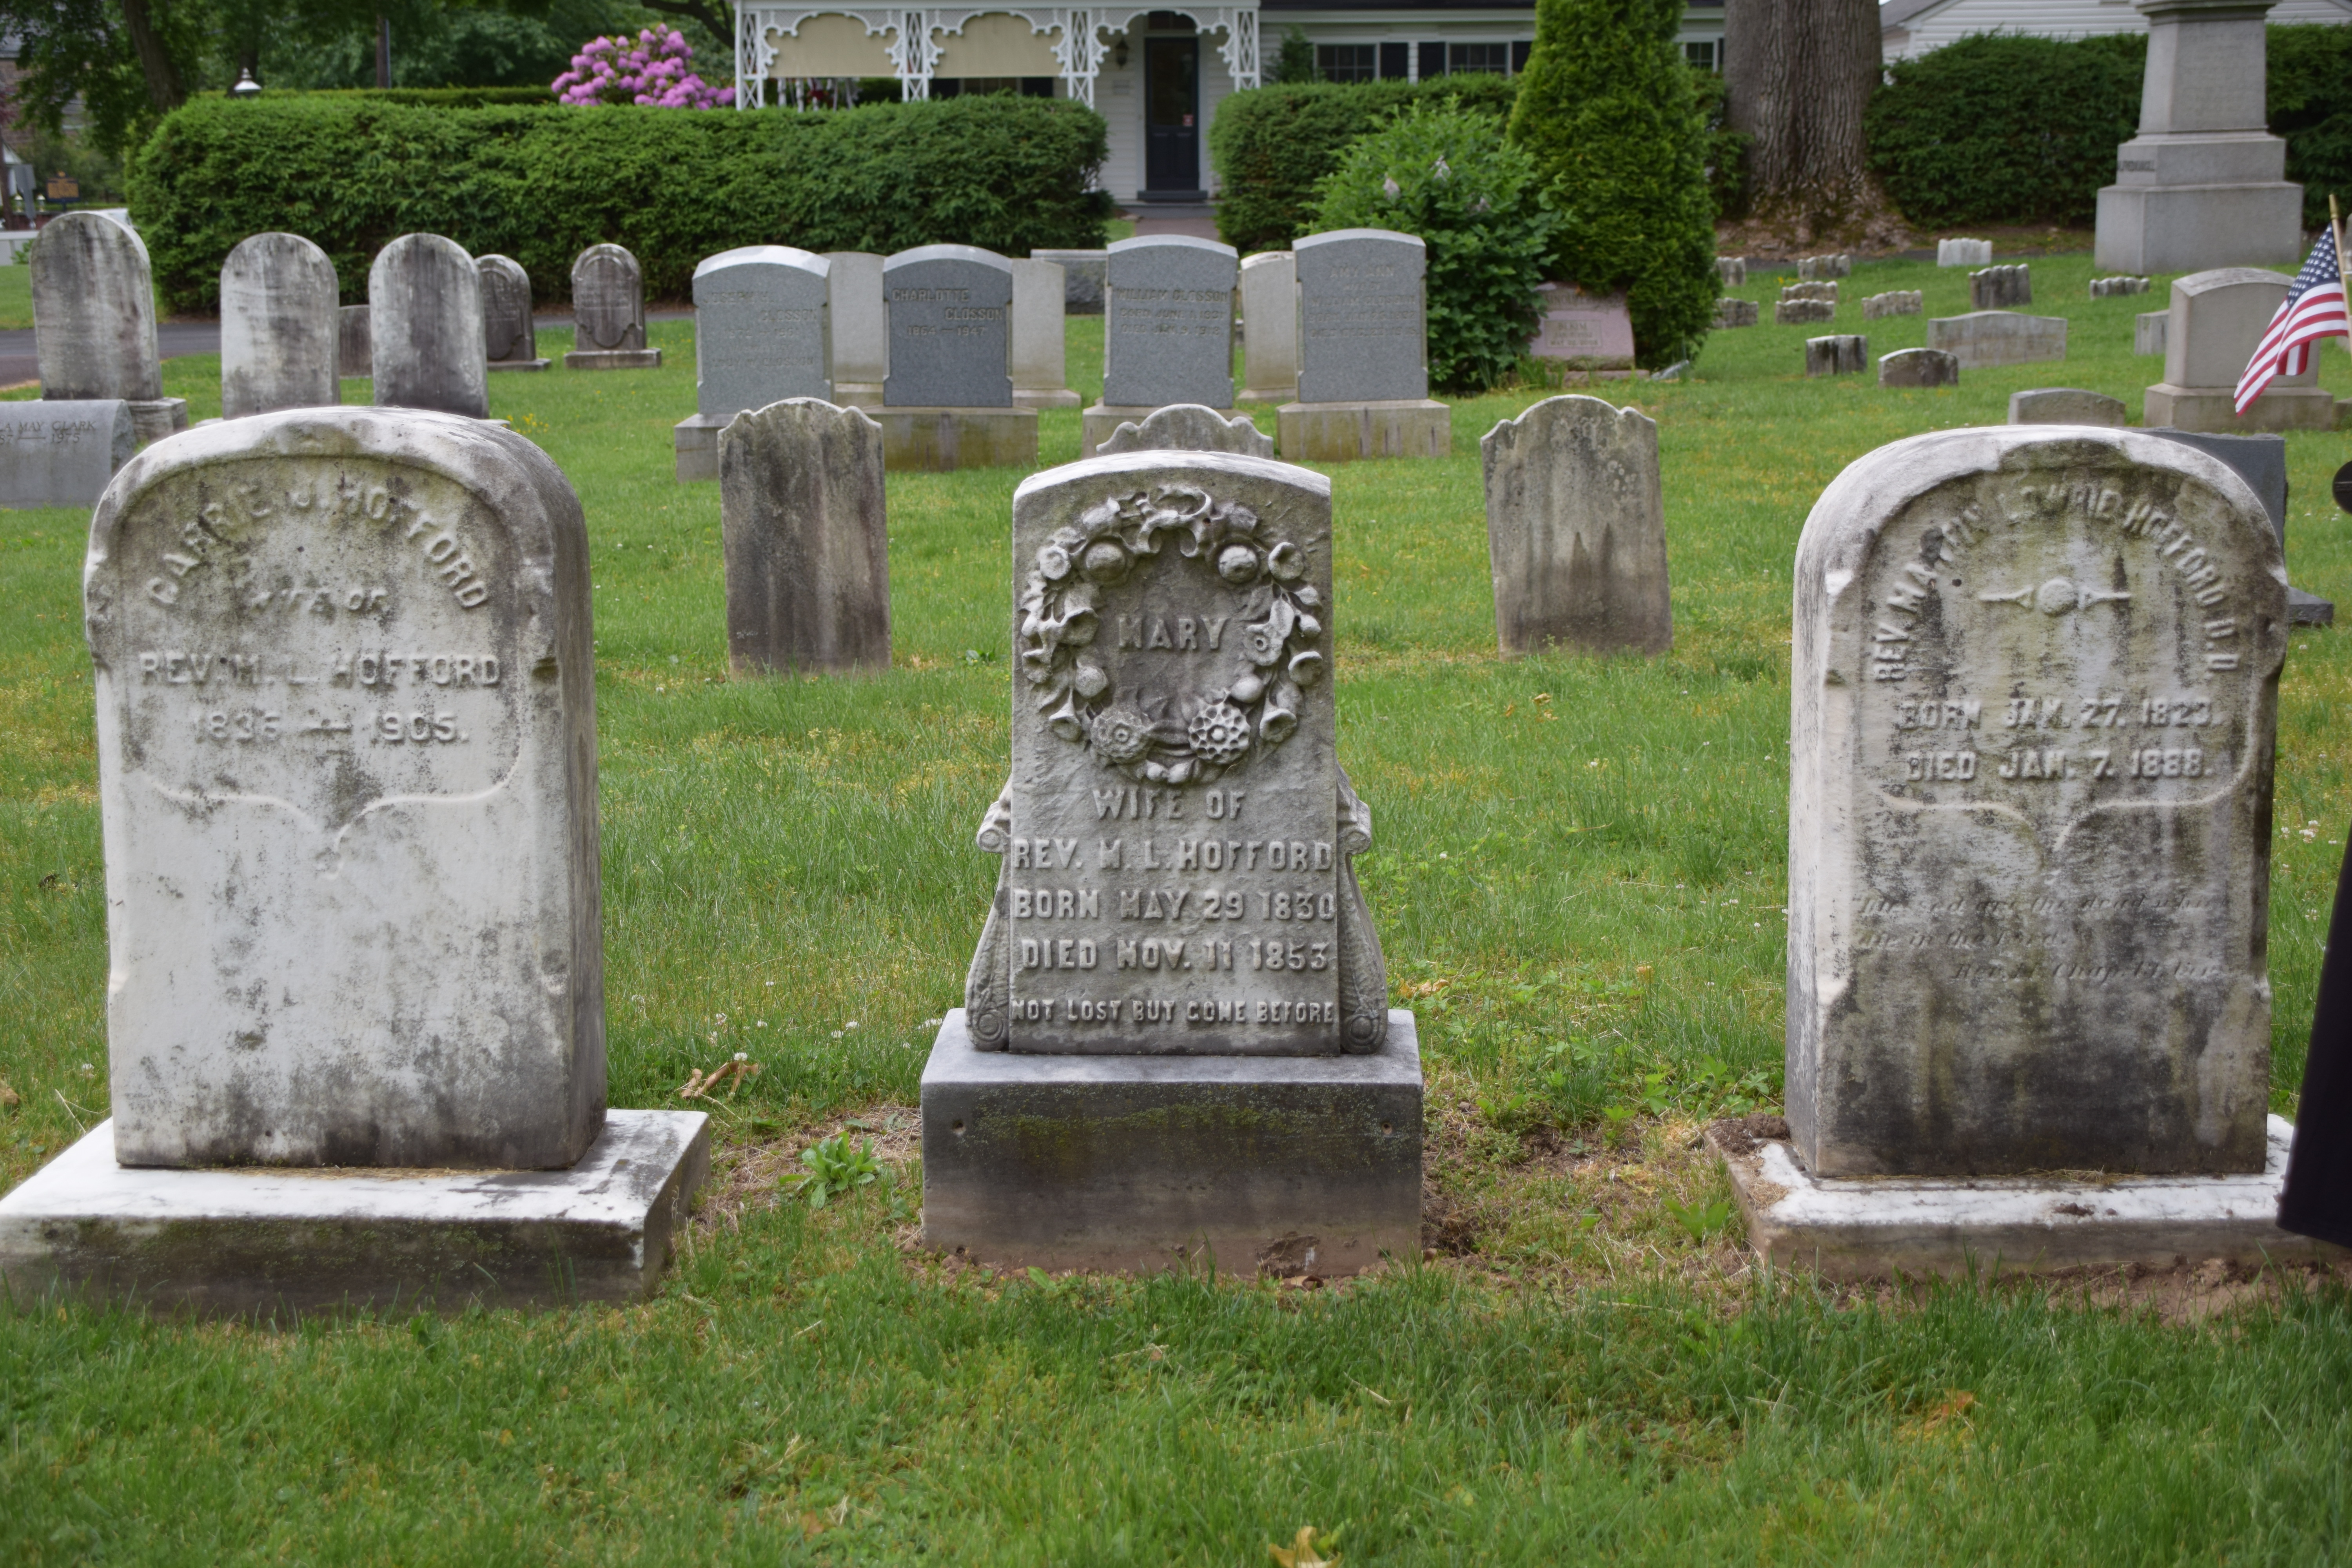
x=278, y=327
x=761, y=335
x=1363, y=351
x=1040, y=367
x=2218, y=319
x=354, y=354
x=1894, y=302
x=1270, y=326
x=94, y=321
x=608, y=312
x=424, y=327
x=1737, y=313
x=1821, y=290
x=1731, y=271
x=861, y=328
x=2148, y=331
x=1815, y=267
x=1085, y=274
x=2066, y=405
x=1584, y=332
x=59, y=453
x=2035, y=697
x=1918, y=367
x=1998, y=337
x=801, y=527
x=1189, y=428
x=1177, y=964
x=1842, y=354
x=1167, y=329
x=1802, y=312
x=948, y=400
x=2000, y=288
x=2203, y=183
x=510, y=337
x=1964, y=253
x=1576, y=529
x=2109, y=287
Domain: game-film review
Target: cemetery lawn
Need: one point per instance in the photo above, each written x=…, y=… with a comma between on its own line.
x=1578, y=874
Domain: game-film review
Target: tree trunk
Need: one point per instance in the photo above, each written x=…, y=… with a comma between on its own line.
x=1795, y=76
x=713, y=16
x=164, y=86
x=384, y=51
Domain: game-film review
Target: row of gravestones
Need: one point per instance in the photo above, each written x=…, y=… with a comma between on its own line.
x=348, y=783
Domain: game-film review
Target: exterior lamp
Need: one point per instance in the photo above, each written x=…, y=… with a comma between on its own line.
x=245, y=88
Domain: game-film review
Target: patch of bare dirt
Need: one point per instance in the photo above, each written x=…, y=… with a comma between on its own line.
x=748, y=1174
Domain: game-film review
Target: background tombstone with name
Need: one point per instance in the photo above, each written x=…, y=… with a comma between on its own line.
x=54, y=452
x=509, y=336
x=355, y=642
x=1984, y=338
x=2035, y=684
x=355, y=352
x=1040, y=364
x=424, y=327
x=94, y=321
x=1269, y=291
x=1363, y=351
x=1919, y=368
x=1168, y=330
x=279, y=331
x=1576, y=529
x=947, y=401
x=761, y=334
x=1172, y=707
x=802, y=528
x=861, y=328
x=1587, y=334
x=2217, y=320
x=608, y=312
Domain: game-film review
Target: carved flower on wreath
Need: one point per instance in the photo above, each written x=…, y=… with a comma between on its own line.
x=1259, y=710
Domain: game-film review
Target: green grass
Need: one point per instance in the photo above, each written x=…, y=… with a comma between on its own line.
x=17, y=297
x=1570, y=853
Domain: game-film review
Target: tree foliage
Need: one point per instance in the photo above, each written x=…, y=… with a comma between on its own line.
x=1606, y=109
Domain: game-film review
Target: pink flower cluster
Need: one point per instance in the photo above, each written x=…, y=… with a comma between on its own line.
x=655, y=70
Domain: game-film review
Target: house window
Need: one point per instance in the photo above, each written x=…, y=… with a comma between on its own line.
x=1704, y=54
x=1348, y=62
x=1493, y=58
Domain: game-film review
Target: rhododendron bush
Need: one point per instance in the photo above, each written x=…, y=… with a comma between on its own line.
x=655, y=71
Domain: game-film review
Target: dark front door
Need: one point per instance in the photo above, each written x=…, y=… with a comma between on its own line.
x=1171, y=114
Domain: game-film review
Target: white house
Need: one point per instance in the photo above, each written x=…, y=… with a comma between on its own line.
x=1157, y=76
x=1912, y=28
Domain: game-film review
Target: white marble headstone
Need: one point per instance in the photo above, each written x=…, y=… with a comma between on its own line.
x=279, y=329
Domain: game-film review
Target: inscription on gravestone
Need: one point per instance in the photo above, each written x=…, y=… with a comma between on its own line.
x=2035, y=709
x=1362, y=327
x=608, y=300
x=510, y=337
x=760, y=330
x=1169, y=333
x=950, y=328
x=1176, y=834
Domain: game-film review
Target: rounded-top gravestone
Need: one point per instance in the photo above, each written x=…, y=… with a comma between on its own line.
x=1362, y=326
x=760, y=314
x=608, y=312
x=279, y=327
x=950, y=338
x=94, y=321
x=1168, y=332
x=510, y=337
x=424, y=327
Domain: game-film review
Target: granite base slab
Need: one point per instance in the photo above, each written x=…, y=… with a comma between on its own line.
x=1877, y=1228
x=2213, y=409
x=1046, y=397
x=520, y=363
x=865, y=395
x=1286, y=393
x=694, y=438
x=612, y=359
x=152, y=418
x=259, y=1240
x=941, y=440
x=1138, y=1164
x=1344, y=432
x=2309, y=609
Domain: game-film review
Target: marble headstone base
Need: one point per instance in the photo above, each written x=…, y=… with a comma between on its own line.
x=865, y=395
x=519, y=364
x=1137, y=1164
x=1876, y=1227
x=1046, y=397
x=1286, y=393
x=260, y=1240
x=2190, y=229
x=2212, y=408
x=1342, y=432
x=695, y=439
x=152, y=418
x=612, y=359
x=940, y=440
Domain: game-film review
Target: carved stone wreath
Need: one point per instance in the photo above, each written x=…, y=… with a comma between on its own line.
x=1157, y=737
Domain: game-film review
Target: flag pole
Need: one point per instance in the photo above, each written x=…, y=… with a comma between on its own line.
x=2335, y=230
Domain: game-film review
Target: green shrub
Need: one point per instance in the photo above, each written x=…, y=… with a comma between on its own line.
x=424, y=96
x=2311, y=106
x=1273, y=145
x=1606, y=109
x=1995, y=128
x=543, y=183
x=1473, y=199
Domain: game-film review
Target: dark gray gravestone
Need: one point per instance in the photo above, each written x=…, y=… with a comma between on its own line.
x=424, y=327
x=510, y=340
x=800, y=525
x=950, y=318
x=58, y=453
x=1168, y=332
x=2260, y=461
x=1362, y=328
x=354, y=355
x=608, y=300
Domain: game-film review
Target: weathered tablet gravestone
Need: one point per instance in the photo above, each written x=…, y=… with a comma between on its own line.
x=279, y=331
x=1040, y=362
x=861, y=328
x=948, y=400
x=608, y=312
x=1269, y=288
x=1984, y=338
x=354, y=354
x=347, y=774
x=761, y=334
x=55, y=453
x=1363, y=351
x=802, y=525
x=1576, y=529
x=1168, y=330
x=510, y=337
x=94, y=321
x=1591, y=333
x=1177, y=883
x=424, y=327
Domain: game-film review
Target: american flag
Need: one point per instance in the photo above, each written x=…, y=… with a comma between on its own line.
x=2314, y=313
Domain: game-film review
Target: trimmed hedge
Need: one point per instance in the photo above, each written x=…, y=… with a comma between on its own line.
x=425, y=97
x=541, y=183
x=1273, y=145
x=1996, y=128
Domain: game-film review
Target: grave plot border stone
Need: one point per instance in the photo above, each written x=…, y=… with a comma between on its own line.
x=1040, y=353
x=1841, y=353
x=1730, y=313
x=632, y=351
x=1269, y=316
x=860, y=324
